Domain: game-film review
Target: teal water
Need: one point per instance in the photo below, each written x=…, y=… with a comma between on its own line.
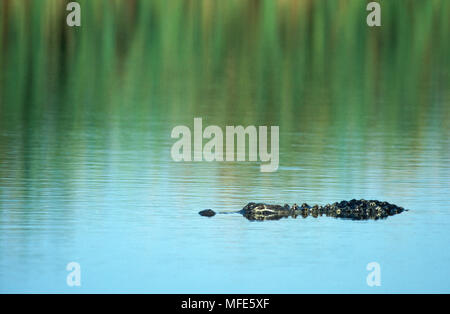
x=86, y=173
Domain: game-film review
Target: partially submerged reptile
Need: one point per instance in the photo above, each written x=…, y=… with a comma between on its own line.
x=354, y=210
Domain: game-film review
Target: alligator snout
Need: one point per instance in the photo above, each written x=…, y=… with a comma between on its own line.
x=207, y=213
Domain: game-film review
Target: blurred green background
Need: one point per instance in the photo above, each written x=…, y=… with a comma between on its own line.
x=226, y=56
x=312, y=67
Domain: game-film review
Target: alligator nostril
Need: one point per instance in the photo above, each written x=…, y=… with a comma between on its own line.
x=207, y=213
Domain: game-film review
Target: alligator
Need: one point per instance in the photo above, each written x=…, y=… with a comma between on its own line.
x=352, y=210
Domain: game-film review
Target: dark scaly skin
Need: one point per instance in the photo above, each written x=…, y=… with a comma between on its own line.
x=353, y=210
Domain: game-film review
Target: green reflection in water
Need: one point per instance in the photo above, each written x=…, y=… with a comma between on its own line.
x=135, y=69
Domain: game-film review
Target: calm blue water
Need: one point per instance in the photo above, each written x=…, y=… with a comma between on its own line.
x=113, y=201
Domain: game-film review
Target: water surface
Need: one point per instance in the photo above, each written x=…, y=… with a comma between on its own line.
x=86, y=173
